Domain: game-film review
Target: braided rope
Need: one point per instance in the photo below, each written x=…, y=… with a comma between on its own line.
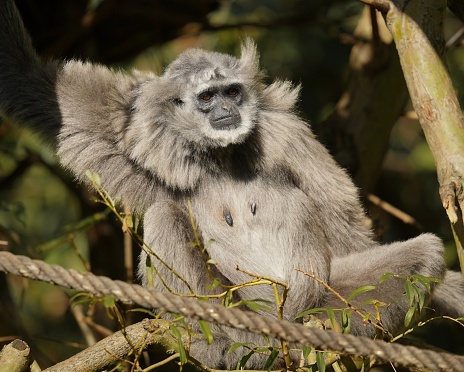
x=407, y=356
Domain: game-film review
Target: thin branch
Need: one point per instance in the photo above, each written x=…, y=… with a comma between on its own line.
x=387, y=207
x=376, y=324
x=78, y=313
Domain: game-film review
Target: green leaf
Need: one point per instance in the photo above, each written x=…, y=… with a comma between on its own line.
x=181, y=320
x=136, y=223
x=385, y=277
x=320, y=362
x=409, y=292
x=409, y=315
x=256, y=304
x=93, y=177
x=109, y=301
x=270, y=361
x=208, y=243
x=182, y=351
x=421, y=301
x=227, y=300
x=306, y=350
x=211, y=262
x=264, y=349
x=80, y=298
x=236, y=345
x=420, y=296
x=359, y=291
x=316, y=310
x=366, y=316
x=242, y=362
x=214, y=284
x=425, y=280
x=345, y=318
x=206, y=330
x=331, y=316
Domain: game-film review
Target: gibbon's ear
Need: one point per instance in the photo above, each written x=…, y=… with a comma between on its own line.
x=249, y=60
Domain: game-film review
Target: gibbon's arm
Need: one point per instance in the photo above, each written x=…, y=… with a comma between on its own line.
x=82, y=107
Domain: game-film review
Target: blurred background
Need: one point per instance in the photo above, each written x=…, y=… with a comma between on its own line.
x=353, y=94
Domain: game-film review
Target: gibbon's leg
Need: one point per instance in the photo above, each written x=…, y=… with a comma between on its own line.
x=421, y=255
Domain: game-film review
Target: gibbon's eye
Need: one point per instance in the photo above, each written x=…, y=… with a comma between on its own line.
x=206, y=96
x=233, y=91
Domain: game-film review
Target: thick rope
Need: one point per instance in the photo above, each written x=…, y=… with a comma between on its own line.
x=407, y=356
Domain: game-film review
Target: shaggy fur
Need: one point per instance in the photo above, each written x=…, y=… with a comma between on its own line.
x=266, y=196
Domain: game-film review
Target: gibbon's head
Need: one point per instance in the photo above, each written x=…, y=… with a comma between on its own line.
x=209, y=99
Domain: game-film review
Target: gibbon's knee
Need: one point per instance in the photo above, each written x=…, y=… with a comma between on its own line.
x=422, y=255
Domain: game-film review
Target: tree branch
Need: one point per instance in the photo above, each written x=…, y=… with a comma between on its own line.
x=117, y=347
x=417, y=29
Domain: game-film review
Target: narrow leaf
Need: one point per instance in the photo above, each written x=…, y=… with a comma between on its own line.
x=359, y=291
x=316, y=310
x=409, y=315
x=206, y=330
x=345, y=317
x=93, y=177
x=109, y=301
x=385, y=277
x=331, y=316
x=256, y=305
x=242, y=362
x=213, y=285
x=409, y=292
x=320, y=362
x=306, y=350
x=182, y=351
x=270, y=361
x=236, y=345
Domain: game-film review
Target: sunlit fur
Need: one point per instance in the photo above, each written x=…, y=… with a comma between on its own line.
x=266, y=197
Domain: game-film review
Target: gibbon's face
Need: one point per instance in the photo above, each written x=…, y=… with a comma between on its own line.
x=222, y=106
x=216, y=105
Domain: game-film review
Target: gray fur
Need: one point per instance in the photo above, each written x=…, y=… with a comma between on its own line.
x=267, y=194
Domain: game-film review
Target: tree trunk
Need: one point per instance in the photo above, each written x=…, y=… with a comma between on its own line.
x=417, y=29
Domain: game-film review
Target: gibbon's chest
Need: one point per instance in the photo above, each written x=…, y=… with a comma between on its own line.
x=241, y=221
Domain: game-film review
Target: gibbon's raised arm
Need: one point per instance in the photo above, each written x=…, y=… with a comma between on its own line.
x=81, y=107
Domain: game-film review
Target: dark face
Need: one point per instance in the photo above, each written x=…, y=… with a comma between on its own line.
x=221, y=104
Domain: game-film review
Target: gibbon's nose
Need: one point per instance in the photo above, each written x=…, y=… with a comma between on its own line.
x=227, y=106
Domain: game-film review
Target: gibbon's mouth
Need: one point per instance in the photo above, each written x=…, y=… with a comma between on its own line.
x=227, y=122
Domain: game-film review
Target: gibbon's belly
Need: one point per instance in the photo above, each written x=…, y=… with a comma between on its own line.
x=241, y=221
